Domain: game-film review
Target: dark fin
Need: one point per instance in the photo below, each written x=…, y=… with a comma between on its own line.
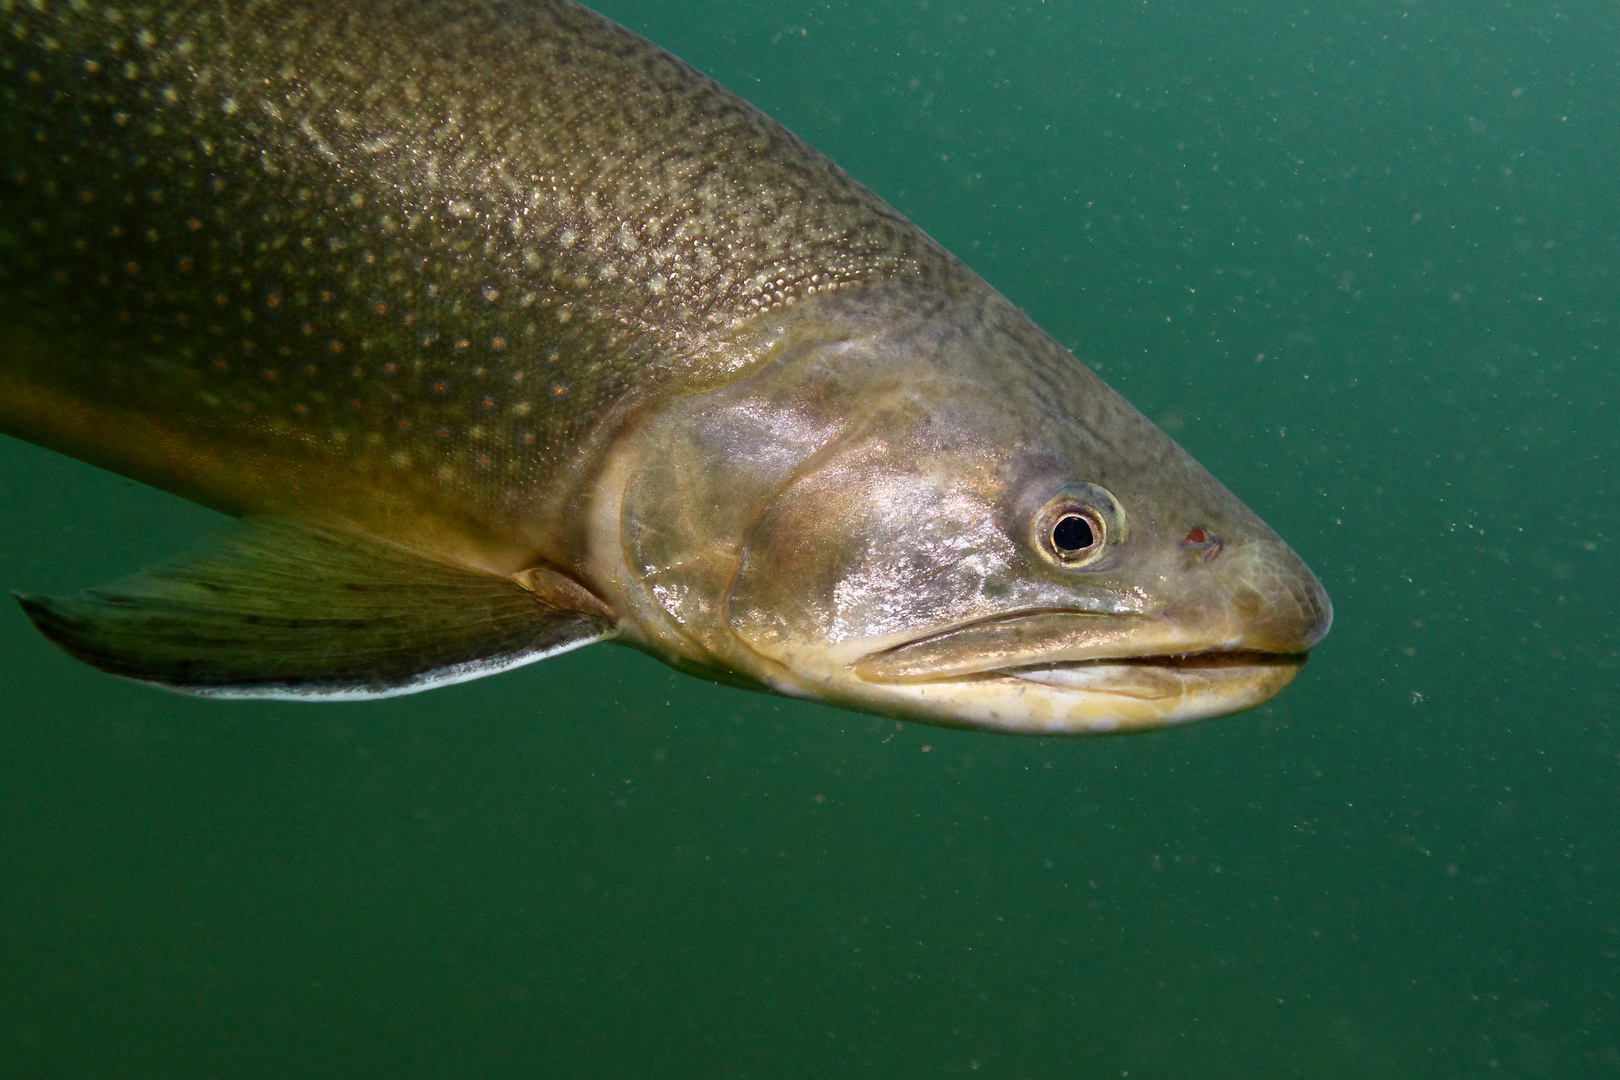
x=293, y=610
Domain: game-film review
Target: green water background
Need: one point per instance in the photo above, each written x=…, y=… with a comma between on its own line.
x=1361, y=258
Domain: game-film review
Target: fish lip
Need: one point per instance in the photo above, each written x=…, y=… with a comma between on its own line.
x=1213, y=665
x=1214, y=657
x=1238, y=662
x=889, y=664
x=1069, y=639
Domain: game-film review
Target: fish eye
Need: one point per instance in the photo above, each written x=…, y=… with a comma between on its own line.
x=1078, y=524
x=1073, y=534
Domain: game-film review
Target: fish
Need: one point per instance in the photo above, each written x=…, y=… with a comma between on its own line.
x=501, y=331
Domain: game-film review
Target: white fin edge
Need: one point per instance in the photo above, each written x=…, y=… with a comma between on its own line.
x=428, y=680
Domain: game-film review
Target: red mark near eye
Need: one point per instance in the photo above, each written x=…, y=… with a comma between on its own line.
x=1206, y=544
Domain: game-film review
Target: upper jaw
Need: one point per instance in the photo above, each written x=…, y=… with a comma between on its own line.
x=1040, y=641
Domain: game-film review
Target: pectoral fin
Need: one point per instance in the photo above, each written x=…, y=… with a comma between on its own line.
x=294, y=610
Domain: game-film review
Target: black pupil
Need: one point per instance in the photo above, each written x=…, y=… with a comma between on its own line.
x=1072, y=533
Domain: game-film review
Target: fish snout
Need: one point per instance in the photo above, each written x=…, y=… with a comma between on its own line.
x=1264, y=599
x=1276, y=602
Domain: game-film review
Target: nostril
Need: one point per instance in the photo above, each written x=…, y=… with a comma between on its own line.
x=1206, y=544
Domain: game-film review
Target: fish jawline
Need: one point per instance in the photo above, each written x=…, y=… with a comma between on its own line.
x=1065, y=672
x=1102, y=697
x=1211, y=661
x=1156, y=677
x=1049, y=639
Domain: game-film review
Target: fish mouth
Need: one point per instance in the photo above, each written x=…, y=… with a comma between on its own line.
x=1026, y=644
x=1157, y=677
x=1065, y=671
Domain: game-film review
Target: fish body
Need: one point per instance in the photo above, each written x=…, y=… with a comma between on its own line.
x=506, y=331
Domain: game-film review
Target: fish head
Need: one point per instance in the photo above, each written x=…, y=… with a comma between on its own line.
x=942, y=515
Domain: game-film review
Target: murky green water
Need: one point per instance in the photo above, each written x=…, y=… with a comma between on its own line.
x=1363, y=259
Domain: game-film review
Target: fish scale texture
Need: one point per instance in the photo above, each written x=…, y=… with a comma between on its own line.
x=439, y=244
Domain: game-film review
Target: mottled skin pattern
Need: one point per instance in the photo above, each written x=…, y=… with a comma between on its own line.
x=432, y=252
x=516, y=289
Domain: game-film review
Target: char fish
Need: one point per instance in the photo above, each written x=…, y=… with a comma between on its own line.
x=503, y=331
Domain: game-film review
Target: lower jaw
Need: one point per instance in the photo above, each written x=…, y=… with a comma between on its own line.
x=1090, y=699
